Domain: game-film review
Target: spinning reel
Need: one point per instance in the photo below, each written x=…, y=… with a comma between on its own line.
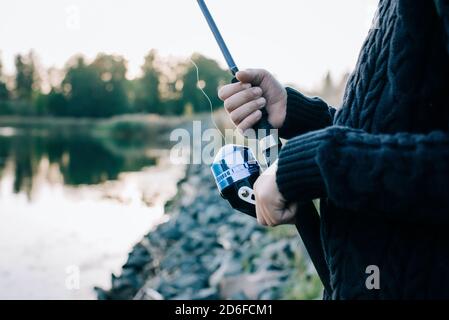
x=235, y=170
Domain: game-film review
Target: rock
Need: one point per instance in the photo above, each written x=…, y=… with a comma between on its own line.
x=212, y=214
x=279, y=254
x=128, y=272
x=188, y=265
x=239, y=296
x=101, y=294
x=132, y=281
x=190, y=244
x=206, y=294
x=245, y=233
x=229, y=266
x=137, y=260
x=252, y=285
x=167, y=290
x=172, y=232
x=211, y=262
x=269, y=294
x=183, y=296
x=185, y=224
x=193, y=282
x=148, y=294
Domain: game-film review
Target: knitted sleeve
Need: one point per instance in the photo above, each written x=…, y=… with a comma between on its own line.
x=305, y=114
x=402, y=176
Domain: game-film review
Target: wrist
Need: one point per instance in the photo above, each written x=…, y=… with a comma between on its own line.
x=303, y=114
x=298, y=175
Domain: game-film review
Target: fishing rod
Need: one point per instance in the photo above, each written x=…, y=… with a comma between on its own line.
x=269, y=143
x=220, y=41
x=235, y=169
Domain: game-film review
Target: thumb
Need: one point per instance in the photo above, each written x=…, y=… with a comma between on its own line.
x=290, y=213
x=253, y=76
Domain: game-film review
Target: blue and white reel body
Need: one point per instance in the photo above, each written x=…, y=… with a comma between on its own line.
x=235, y=170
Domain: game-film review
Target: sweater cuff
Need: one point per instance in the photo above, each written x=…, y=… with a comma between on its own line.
x=298, y=175
x=304, y=114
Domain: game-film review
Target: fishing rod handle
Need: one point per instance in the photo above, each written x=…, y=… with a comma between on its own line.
x=269, y=142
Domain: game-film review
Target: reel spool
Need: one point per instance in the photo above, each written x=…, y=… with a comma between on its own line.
x=235, y=170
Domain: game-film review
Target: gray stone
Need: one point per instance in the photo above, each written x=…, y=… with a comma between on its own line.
x=206, y=294
x=252, y=285
x=229, y=266
x=148, y=294
x=190, y=281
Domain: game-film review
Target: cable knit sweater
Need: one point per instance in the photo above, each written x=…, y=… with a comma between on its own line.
x=381, y=163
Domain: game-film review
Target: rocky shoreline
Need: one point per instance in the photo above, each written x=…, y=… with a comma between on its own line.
x=206, y=250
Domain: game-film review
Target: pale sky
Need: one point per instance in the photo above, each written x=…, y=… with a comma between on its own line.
x=298, y=40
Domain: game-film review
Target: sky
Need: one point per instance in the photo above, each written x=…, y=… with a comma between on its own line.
x=297, y=40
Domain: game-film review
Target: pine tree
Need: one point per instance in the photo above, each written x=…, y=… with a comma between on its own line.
x=26, y=76
x=148, y=97
x=4, y=93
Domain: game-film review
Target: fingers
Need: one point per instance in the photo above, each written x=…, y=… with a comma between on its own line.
x=265, y=217
x=289, y=215
x=250, y=121
x=229, y=90
x=261, y=210
x=261, y=216
x=270, y=212
x=253, y=76
x=239, y=99
x=242, y=101
x=276, y=218
x=239, y=114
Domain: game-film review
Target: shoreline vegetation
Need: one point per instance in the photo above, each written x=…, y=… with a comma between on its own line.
x=100, y=87
x=135, y=129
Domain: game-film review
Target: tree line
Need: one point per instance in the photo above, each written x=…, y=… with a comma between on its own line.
x=100, y=88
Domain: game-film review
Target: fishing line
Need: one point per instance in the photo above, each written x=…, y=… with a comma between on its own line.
x=198, y=80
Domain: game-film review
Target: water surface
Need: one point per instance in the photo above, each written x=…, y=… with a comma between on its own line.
x=70, y=202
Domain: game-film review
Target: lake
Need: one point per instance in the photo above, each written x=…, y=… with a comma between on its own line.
x=72, y=205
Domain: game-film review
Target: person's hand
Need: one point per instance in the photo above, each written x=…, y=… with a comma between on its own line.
x=271, y=207
x=257, y=89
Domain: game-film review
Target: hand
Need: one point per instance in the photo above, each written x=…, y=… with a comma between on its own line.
x=257, y=89
x=270, y=205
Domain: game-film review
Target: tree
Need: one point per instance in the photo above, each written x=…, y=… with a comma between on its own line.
x=97, y=89
x=78, y=88
x=148, y=97
x=112, y=98
x=4, y=93
x=26, y=76
x=211, y=77
x=56, y=103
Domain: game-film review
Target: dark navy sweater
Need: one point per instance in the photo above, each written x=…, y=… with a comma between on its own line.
x=380, y=164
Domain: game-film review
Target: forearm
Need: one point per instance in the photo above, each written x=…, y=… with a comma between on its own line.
x=403, y=176
x=305, y=114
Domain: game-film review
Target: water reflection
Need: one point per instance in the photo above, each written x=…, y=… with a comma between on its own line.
x=80, y=159
x=68, y=198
